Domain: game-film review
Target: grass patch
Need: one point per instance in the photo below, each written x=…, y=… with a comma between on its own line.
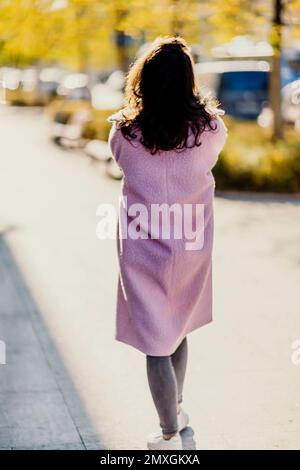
x=251, y=162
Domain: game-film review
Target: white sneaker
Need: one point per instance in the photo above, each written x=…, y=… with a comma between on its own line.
x=157, y=442
x=183, y=420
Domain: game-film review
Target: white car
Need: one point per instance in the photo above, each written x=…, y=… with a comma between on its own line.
x=290, y=106
x=291, y=103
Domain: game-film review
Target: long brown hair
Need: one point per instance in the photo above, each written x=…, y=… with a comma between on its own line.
x=163, y=99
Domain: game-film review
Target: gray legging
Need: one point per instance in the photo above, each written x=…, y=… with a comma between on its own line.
x=166, y=376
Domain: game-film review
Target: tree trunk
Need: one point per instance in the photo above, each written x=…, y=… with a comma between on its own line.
x=175, y=22
x=275, y=75
x=122, y=51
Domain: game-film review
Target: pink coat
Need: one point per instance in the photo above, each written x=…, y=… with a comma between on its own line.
x=165, y=290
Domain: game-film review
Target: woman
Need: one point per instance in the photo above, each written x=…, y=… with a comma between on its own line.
x=166, y=141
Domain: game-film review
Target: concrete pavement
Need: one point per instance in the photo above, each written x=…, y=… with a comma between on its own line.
x=39, y=407
x=67, y=382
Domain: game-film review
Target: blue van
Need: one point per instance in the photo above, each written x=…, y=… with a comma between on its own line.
x=240, y=85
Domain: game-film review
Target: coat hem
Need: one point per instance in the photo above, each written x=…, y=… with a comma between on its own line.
x=162, y=352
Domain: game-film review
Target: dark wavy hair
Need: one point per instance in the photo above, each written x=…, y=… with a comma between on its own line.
x=163, y=99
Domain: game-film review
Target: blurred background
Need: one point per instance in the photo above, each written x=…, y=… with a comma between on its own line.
x=72, y=56
x=65, y=382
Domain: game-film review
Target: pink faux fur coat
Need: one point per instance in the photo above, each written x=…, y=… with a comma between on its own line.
x=165, y=290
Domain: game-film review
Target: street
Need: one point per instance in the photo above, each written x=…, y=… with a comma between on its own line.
x=67, y=383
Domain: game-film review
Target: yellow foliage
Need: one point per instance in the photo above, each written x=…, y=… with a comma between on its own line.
x=81, y=33
x=250, y=161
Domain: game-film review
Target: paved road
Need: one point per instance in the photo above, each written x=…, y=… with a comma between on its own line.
x=67, y=382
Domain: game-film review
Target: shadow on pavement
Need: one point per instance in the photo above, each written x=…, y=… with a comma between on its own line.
x=39, y=406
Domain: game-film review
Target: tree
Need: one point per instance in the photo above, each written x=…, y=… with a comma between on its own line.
x=89, y=33
x=275, y=78
x=85, y=34
x=22, y=32
x=276, y=21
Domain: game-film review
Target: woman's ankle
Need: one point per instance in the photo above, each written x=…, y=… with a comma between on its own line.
x=168, y=436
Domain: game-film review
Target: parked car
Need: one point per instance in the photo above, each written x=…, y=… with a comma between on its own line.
x=69, y=134
x=21, y=87
x=290, y=105
x=71, y=108
x=290, y=66
x=30, y=86
x=116, y=80
x=50, y=79
x=105, y=100
x=72, y=93
x=113, y=170
x=240, y=85
x=98, y=150
x=82, y=111
x=11, y=89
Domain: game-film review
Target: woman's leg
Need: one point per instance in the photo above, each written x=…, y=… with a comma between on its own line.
x=179, y=361
x=163, y=386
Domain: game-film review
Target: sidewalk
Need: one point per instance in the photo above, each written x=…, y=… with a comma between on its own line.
x=67, y=382
x=39, y=407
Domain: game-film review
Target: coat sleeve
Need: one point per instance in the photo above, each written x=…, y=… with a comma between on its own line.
x=219, y=136
x=214, y=141
x=114, y=141
x=114, y=138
